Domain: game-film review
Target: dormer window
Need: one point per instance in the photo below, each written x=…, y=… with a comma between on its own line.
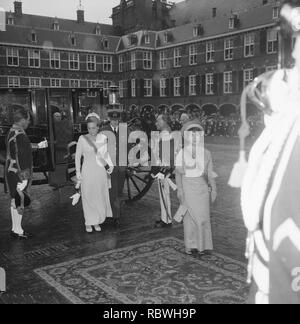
x=276, y=11
x=132, y=40
x=233, y=22
x=56, y=25
x=147, y=38
x=106, y=44
x=73, y=40
x=166, y=37
x=33, y=37
x=10, y=20
x=198, y=30
x=98, y=30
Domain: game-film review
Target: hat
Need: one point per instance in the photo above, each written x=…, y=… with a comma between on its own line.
x=114, y=114
x=190, y=125
x=22, y=199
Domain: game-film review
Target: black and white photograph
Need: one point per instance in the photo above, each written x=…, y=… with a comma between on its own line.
x=149, y=155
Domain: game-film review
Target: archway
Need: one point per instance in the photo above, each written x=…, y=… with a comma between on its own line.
x=148, y=109
x=228, y=109
x=163, y=110
x=209, y=109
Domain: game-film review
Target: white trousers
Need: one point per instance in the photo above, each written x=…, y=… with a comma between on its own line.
x=165, y=201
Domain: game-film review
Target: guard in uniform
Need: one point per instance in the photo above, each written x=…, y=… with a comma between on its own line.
x=18, y=170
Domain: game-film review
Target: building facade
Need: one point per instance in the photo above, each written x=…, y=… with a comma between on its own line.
x=203, y=57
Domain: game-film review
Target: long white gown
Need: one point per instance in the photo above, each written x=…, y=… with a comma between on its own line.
x=95, y=181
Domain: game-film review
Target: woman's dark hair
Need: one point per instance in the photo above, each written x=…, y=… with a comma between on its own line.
x=20, y=113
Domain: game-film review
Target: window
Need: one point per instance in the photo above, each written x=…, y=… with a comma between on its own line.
x=177, y=87
x=276, y=11
x=196, y=31
x=192, y=85
x=121, y=63
x=106, y=44
x=271, y=68
x=163, y=87
x=122, y=89
x=249, y=42
x=33, y=37
x=272, y=41
x=35, y=82
x=75, y=83
x=107, y=63
x=177, y=57
x=91, y=62
x=166, y=37
x=74, y=61
x=227, y=82
x=210, y=52
x=147, y=39
x=147, y=60
x=209, y=84
x=98, y=31
x=55, y=60
x=13, y=82
x=55, y=83
x=148, y=87
x=193, y=54
x=106, y=86
x=10, y=21
x=248, y=77
x=34, y=60
x=133, y=88
x=56, y=26
x=228, y=49
x=12, y=57
x=133, y=60
x=73, y=40
x=162, y=60
x=92, y=84
x=231, y=22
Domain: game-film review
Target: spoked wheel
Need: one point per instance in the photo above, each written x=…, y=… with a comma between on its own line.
x=137, y=183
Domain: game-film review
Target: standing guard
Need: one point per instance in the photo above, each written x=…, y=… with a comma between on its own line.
x=18, y=170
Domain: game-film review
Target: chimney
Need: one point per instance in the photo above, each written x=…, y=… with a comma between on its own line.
x=18, y=8
x=80, y=15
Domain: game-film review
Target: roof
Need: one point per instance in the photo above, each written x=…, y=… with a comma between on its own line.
x=46, y=38
x=69, y=25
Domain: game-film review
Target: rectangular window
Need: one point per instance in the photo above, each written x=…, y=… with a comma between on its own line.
x=133, y=60
x=177, y=85
x=121, y=63
x=147, y=60
x=74, y=61
x=248, y=76
x=55, y=83
x=192, y=85
x=54, y=60
x=92, y=84
x=249, y=45
x=209, y=84
x=91, y=63
x=228, y=49
x=12, y=57
x=193, y=55
x=210, y=52
x=34, y=59
x=163, y=60
x=35, y=82
x=276, y=11
x=121, y=89
x=177, y=57
x=227, y=82
x=75, y=83
x=148, y=87
x=163, y=87
x=147, y=39
x=106, y=86
x=13, y=82
x=133, y=88
x=107, y=63
x=272, y=41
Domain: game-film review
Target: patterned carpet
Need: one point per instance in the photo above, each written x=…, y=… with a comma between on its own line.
x=155, y=272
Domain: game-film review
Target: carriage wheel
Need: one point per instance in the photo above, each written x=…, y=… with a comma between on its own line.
x=137, y=183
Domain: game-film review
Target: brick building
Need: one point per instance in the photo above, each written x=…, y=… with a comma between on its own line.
x=171, y=55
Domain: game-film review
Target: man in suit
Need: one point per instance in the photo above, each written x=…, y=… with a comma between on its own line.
x=119, y=173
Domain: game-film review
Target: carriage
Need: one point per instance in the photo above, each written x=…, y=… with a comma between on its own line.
x=54, y=165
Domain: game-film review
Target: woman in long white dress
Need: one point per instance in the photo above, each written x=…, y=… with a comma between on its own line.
x=93, y=175
x=196, y=187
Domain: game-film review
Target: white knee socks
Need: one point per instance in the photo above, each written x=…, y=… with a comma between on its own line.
x=16, y=221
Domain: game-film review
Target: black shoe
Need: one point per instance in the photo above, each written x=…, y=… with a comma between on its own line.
x=24, y=236
x=161, y=224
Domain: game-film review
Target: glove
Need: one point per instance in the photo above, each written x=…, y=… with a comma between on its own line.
x=43, y=144
x=75, y=199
